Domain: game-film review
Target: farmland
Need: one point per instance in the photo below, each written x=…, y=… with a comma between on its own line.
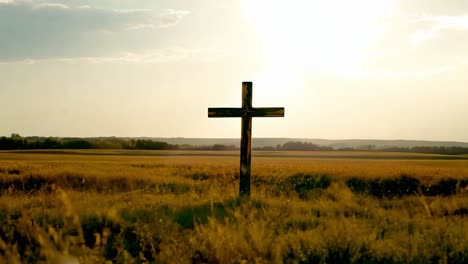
x=137, y=206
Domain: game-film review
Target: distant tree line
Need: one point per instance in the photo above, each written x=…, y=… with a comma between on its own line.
x=306, y=146
x=157, y=145
x=297, y=146
x=16, y=142
x=303, y=146
x=216, y=147
x=148, y=144
x=429, y=150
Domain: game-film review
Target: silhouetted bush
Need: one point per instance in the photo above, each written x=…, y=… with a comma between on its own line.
x=358, y=185
x=303, y=183
x=403, y=186
x=461, y=211
x=463, y=183
x=444, y=187
x=388, y=188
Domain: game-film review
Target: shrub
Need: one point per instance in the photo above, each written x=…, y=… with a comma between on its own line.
x=389, y=188
x=444, y=187
x=358, y=185
x=303, y=183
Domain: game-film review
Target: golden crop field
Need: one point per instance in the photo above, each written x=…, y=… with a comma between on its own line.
x=183, y=207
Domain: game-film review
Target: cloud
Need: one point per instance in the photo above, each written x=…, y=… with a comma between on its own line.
x=42, y=30
x=438, y=24
x=50, y=5
x=168, y=18
x=173, y=54
x=18, y=14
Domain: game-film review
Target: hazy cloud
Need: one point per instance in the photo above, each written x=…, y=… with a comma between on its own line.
x=166, y=19
x=42, y=30
x=437, y=25
x=173, y=54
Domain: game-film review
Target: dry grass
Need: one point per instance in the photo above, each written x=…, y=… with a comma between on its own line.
x=182, y=207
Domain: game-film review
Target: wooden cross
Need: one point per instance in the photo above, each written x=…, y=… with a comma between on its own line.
x=246, y=112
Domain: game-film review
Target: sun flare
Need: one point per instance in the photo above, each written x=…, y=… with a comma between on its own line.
x=317, y=36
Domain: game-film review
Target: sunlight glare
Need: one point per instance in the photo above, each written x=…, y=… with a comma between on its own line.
x=317, y=36
x=274, y=84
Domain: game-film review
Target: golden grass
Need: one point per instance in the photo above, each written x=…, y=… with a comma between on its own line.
x=182, y=207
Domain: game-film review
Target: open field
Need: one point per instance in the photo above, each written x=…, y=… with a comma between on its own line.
x=182, y=207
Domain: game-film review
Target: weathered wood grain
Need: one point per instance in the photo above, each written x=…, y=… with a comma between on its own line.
x=246, y=140
x=221, y=112
x=224, y=112
x=268, y=112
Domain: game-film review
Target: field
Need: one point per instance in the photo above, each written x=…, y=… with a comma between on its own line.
x=182, y=207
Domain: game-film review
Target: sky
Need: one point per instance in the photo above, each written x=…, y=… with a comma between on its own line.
x=363, y=69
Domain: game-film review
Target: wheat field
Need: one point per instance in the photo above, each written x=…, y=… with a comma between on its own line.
x=182, y=207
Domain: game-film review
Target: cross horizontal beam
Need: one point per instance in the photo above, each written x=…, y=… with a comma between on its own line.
x=224, y=112
x=268, y=112
x=253, y=112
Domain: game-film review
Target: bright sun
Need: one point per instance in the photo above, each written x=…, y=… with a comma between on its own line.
x=315, y=36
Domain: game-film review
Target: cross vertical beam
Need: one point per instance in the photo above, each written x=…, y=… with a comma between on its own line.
x=246, y=140
x=246, y=113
